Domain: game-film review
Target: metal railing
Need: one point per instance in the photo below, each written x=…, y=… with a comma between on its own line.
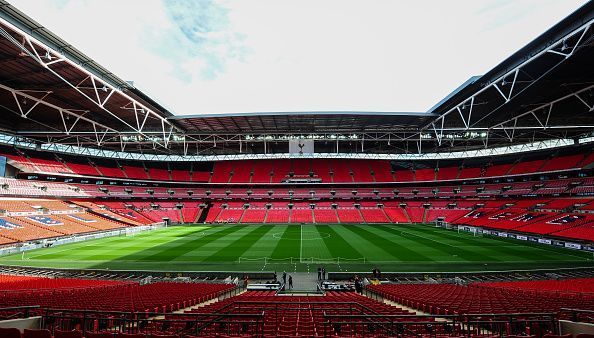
x=19, y=312
x=431, y=325
x=154, y=323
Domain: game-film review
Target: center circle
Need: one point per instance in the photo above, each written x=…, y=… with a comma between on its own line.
x=305, y=235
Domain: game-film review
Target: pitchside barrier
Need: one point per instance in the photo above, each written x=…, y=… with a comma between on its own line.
x=534, y=238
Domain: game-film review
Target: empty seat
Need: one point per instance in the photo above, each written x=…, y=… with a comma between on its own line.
x=131, y=335
x=98, y=335
x=10, y=332
x=68, y=334
x=28, y=333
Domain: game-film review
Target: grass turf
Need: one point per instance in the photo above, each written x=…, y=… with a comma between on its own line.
x=414, y=248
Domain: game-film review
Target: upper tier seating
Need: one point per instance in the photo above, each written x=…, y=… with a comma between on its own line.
x=361, y=171
x=341, y=171
x=222, y=172
x=201, y=176
x=321, y=170
x=135, y=173
x=159, y=174
x=526, y=167
x=497, y=170
x=111, y=172
x=382, y=171
x=425, y=175
x=180, y=175
x=276, y=171
x=447, y=173
x=562, y=162
x=262, y=170
x=84, y=169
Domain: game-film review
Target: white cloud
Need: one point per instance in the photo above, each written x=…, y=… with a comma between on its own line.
x=281, y=55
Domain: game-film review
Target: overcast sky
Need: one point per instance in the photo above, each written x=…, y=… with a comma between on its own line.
x=207, y=56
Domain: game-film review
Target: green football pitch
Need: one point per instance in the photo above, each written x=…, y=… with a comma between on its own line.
x=414, y=248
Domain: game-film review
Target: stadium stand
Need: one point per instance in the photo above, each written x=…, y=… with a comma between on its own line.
x=159, y=174
x=77, y=167
x=299, y=316
x=104, y=295
x=484, y=298
x=348, y=214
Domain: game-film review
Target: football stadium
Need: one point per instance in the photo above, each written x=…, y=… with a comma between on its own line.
x=119, y=218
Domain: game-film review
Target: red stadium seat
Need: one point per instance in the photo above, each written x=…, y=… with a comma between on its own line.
x=131, y=335
x=28, y=333
x=68, y=334
x=99, y=335
x=10, y=332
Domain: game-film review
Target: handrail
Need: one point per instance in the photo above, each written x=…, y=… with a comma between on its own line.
x=24, y=310
x=24, y=307
x=577, y=310
x=219, y=317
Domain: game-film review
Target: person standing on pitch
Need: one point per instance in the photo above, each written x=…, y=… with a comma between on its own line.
x=284, y=277
x=290, y=282
x=319, y=273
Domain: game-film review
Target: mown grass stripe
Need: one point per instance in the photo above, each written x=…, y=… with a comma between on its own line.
x=397, y=250
x=337, y=245
x=180, y=247
x=515, y=248
x=240, y=246
x=288, y=244
x=449, y=249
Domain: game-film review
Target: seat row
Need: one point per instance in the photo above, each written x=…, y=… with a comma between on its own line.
x=511, y=297
x=275, y=171
x=101, y=295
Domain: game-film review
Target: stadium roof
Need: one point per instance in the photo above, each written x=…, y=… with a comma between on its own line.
x=51, y=93
x=303, y=122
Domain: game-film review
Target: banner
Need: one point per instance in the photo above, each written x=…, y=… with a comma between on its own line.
x=573, y=246
x=301, y=146
x=2, y=166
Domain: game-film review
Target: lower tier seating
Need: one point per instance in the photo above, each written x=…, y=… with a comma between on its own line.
x=301, y=316
x=104, y=295
x=487, y=297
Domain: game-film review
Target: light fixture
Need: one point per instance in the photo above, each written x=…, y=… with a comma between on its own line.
x=564, y=46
